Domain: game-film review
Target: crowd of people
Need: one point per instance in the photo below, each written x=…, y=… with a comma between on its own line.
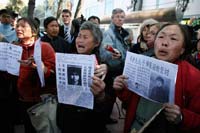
x=167, y=41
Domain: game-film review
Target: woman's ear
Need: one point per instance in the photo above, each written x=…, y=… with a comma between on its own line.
x=182, y=50
x=96, y=44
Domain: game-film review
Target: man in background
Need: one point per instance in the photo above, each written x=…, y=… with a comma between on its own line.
x=66, y=27
x=94, y=19
x=114, y=37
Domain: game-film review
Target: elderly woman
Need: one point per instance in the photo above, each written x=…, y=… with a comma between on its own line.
x=141, y=46
x=28, y=83
x=150, y=38
x=171, y=45
x=74, y=119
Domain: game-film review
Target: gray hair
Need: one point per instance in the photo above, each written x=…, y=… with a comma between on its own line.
x=95, y=30
x=117, y=10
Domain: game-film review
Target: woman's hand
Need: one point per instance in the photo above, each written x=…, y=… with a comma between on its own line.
x=120, y=82
x=97, y=86
x=101, y=71
x=173, y=113
x=116, y=54
x=31, y=63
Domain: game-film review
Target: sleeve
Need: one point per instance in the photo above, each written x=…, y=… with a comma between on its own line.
x=124, y=95
x=106, y=56
x=191, y=96
x=48, y=58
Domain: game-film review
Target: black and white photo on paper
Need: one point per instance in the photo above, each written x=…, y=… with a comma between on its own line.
x=74, y=76
x=159, y=88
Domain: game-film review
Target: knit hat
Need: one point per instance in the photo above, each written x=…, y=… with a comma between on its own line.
x=147, y=22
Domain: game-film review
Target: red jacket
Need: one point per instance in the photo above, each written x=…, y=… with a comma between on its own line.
x=28, y=84
x=187, y=97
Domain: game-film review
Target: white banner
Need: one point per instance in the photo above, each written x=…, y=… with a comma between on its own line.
x=9, y=56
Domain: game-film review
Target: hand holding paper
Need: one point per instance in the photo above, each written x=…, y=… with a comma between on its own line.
x=101, y=71
x=97, y=86
x=120, y=82
x=173, y=113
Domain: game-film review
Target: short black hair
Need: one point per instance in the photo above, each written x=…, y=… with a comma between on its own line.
x=37, y=19
x=49, y=20
x=14, y=14
x=67, y=11
x=187, y=40
x=32, y=22
x=94, y=17
x=160, y=79
x=5, y=11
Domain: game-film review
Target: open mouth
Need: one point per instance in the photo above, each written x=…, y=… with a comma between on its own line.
x=162, y=52
x=19, y=33
x=81, y=47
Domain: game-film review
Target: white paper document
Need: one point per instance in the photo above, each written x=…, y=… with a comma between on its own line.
x=38, y=61
x=74, y=77
x=9, y=56
x=150, y=78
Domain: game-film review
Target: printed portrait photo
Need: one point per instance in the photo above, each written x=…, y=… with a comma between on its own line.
x=74, y=75
x=159, y=88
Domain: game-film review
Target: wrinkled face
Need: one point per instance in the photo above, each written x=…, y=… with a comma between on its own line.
x=23, y=30
x=151, y=35
x=169, y=43
x=85, y=42
x=66, y=18
x=118, y=19
x=52, y=29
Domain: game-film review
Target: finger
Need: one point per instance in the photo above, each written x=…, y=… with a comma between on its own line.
x=97, y=67
x=103, y=77
x=100, y=69
x=24, y=62
x=34, y=65
x=31, y=58
x=97, y=74
x=170, y=115
x=100, y=74
x=96, y=81
x=118, y=86
x=172, y=108
x=97, y=85
x=173, y=118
